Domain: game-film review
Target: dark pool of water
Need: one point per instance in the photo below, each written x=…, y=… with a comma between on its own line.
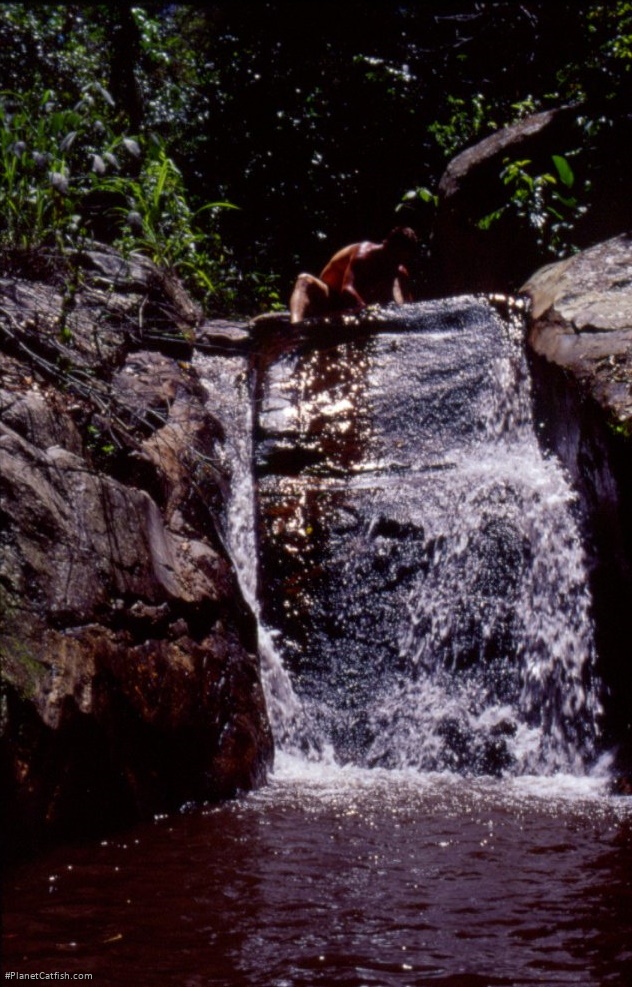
x=354, y=878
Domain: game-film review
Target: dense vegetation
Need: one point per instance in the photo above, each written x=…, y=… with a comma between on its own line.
x=237, y=142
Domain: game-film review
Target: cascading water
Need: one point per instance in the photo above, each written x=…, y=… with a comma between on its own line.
x=420, y=564
x=420, y=558
x=229, y=387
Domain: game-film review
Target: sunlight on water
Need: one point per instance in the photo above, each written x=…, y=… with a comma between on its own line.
x=341, y=875
x=327, y=778
x=228, y=386
x=468, y=838
x=449, y=562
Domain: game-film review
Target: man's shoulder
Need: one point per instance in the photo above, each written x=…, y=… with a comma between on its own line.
x=345, y=252
x=340, y=259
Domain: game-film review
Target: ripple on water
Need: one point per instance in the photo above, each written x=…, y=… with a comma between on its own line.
x=345, y=876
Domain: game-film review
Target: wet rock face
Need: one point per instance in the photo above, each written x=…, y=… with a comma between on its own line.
x=580, y=339
x=411, y=535
x=129, y=666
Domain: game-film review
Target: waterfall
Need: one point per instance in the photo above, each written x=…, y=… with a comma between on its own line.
x=422, y=591
x=229, y=388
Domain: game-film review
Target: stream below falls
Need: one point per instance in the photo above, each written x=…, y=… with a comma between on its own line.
x=439, y=811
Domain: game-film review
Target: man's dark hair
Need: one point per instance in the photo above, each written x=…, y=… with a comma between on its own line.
x=402, y=238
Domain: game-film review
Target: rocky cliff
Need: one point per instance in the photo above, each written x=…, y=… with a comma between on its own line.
x=130, y=677
x=580, y=340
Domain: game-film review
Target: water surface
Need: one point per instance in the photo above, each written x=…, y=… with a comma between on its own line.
x=428, y=619
x=345, y=876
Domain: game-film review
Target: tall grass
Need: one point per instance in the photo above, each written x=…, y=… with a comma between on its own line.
x=56, y=161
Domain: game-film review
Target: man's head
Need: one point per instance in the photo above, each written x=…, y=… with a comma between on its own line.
x=402, y=242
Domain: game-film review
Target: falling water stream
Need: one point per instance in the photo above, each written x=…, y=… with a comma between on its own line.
x=421, y=559
x=439, y=810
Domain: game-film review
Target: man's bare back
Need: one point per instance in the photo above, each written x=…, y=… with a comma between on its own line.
x=358, y=275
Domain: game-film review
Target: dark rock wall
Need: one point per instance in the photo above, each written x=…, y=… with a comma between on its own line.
x=130, y=676
x=498, y=258
x=467, y=258
x=580, y=341
x=598, y=461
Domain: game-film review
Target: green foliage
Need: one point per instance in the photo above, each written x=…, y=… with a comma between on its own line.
x=61, y=47
x=469, y=119
x=619, y=45
x=100, y=446
x=52, y=159
x=416, y=197
x=421, y=194
x=542, y=203
x=604, y=71
x=159, y=222
x=316, y=142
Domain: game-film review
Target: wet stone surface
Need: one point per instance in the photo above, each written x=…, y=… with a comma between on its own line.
x=405, y=512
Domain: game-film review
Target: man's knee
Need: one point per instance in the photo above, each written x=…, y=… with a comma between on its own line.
x=309, y=298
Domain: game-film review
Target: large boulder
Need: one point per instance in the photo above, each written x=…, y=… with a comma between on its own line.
x=130, y=675
x=482, y=242
x=581, y=320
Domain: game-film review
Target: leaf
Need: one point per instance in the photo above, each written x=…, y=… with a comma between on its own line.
x=163, y=174
x=569, y=202
x=41, y=159
x=58, y=181
x=131, y=146
x=135, y=221
x=68, y=141
x=564, y=170
x=98, y=164
x=421, y=193
x=486, y=221
x=103, y=92
x=204, y=280
x=217, y=205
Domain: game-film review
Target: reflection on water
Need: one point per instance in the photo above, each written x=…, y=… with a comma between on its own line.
x=346, y=877
x=378, y=878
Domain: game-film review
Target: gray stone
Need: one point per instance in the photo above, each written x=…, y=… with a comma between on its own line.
x=581, y=320
x=130, y=675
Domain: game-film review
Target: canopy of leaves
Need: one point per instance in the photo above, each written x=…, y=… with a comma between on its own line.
x=316, y=119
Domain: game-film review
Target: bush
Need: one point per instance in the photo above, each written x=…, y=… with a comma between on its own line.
x=60, y=166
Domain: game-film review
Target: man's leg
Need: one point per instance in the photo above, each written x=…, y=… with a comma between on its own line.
x=310, y=298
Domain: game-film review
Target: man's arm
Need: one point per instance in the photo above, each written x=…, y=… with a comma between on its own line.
x=336, y=272
x=401, y=287
x=360, y=259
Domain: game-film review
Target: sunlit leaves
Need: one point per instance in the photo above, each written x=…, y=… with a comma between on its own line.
x=534, y=200
x=132, y=146
x=564, y=170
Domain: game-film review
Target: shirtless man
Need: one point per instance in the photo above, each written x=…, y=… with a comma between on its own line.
x=358, y=275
